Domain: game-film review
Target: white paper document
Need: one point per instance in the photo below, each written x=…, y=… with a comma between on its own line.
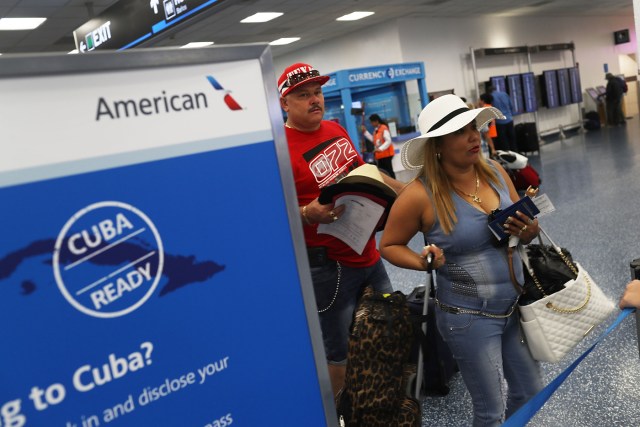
x=357, y=222
x=544, y=204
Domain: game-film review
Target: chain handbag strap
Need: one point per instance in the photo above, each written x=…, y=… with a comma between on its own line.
x=577, y=309
x=551, y=305
x=335, y=294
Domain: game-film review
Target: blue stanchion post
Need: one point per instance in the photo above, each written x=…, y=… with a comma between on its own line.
x=523, y=415
x=635, y=274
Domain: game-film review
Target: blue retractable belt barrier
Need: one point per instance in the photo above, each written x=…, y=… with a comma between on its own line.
x=523, y=415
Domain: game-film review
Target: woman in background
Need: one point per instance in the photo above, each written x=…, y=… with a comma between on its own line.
x=381, y=139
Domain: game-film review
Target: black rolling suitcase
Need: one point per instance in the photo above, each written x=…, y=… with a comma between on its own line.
x=438, y=362
x=527, y=137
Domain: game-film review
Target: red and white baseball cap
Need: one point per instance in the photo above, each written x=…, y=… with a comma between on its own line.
x=298, y=74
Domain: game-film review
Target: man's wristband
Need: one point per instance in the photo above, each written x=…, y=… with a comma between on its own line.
x=304, y=215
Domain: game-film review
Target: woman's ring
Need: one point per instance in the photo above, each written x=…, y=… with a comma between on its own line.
x=530, y=221
x=523, y=229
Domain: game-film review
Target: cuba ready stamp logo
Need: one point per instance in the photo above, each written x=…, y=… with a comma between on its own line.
x=108, y=259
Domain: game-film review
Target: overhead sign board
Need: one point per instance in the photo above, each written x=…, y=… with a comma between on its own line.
x=376, y=75
x=501, y=50
x=555, y=46
x=135, y=289
x=129, y=23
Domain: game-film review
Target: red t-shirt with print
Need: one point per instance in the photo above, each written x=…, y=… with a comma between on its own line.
x=318, y=159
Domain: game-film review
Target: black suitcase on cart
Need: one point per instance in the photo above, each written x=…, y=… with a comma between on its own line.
x=527, y=137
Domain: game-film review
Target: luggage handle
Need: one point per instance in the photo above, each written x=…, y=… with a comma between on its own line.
x=431, y=275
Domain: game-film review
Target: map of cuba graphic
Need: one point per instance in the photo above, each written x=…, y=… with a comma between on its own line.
x=177, y=270
x=180, y=270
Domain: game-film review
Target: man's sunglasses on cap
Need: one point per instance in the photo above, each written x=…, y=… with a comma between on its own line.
x=300, y=77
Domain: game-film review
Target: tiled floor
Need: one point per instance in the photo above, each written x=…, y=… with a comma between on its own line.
x=593, y=180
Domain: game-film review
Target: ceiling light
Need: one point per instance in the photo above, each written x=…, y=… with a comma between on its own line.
x=284, y=40
x=20, y=23
x=196, y=44
x=354, y=16
x=261, y=17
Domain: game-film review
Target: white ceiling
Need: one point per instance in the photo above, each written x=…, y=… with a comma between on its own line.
x=313, y=21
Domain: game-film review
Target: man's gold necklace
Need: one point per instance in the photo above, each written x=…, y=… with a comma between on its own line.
x=474, y=196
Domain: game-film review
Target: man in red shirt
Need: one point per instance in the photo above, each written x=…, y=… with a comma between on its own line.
x=321, y=154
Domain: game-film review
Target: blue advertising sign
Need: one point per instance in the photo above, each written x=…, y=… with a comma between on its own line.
x=373, y=86
x=135, y=287
x=529, y=92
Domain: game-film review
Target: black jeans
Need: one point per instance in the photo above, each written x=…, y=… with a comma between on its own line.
x=614, y=113
x=506, y=139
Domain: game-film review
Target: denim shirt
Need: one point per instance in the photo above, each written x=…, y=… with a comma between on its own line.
x=476, y=274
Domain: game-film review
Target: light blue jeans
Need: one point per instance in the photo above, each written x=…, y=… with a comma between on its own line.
x=338, y=307
x=490, y=351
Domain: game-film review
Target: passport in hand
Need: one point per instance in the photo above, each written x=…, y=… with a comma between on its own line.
x=499, y=216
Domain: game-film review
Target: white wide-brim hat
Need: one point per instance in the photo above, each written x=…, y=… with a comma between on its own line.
x=443, y=116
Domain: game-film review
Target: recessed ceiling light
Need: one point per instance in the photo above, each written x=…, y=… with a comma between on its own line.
x=196, y=44
x=261, y=17
x=284, y=40
x=354, y=16
x=20, y=23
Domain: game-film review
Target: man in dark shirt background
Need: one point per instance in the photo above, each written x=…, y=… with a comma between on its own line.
x=613, y=98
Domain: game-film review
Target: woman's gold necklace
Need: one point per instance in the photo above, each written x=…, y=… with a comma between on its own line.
x=474, y=196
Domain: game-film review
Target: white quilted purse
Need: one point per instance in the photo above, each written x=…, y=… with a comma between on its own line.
x=556, y=323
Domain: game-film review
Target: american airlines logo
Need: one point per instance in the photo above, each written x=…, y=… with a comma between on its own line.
x=228, y=99
x=163, y=103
